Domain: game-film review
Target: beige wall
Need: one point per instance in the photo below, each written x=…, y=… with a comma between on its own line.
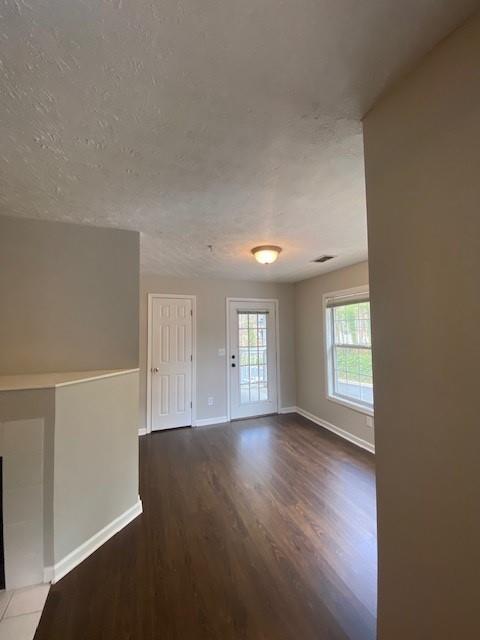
x=96, y=458
x=69, y=297
x=89, y=444
x=422, y=146
x=31, y=405
x=211, y=328
x=310, y=355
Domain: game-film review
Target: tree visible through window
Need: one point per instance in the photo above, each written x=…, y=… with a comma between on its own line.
x=252, y=339
x=349, y=348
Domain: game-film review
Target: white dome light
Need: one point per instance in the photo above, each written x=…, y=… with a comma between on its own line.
x=266, y=254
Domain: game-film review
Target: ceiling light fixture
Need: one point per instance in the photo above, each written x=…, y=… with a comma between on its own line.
x=266, y=253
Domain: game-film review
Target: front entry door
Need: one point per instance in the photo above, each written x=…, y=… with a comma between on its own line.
x=252, y=358
x=171, y=363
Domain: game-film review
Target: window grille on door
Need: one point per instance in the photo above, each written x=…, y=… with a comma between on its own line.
x=252, y=344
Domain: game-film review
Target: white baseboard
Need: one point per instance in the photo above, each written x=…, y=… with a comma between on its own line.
x=142, y=431
x=359, y=442
x=287, y=410
x=59, y=570
x=204, y=422
x=47, y=574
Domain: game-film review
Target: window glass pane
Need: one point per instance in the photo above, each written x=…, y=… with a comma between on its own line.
x=244, y=394
x=365, y=365
x=252, y=336
x=340, y=314
x=254, y=396
x=351, y=324
x=367, y=393
x=263, y=391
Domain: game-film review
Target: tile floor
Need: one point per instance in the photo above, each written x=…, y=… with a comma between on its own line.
x=20, y=612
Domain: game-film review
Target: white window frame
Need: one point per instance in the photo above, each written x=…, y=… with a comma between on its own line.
x=351, y=294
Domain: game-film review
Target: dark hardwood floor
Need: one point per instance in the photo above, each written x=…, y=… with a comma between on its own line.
x=256, y=530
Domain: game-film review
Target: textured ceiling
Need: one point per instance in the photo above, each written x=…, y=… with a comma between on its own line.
x=204, y=122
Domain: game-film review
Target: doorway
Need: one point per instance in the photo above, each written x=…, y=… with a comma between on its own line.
x=252, y=357
x=171, y=361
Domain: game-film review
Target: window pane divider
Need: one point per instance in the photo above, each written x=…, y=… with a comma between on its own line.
x=343, y=345
x=253, y=313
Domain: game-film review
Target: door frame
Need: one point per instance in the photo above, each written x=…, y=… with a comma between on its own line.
x=181, y=296
x=227, y=350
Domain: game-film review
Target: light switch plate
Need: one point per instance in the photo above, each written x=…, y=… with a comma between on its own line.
x=221, y=352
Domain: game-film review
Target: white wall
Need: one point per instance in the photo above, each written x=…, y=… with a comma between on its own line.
x=22, y=451
x=211, y=335
x=310, y=353
x=29, y=406
x=422, y=144
x=70, y=469
x=96, y=458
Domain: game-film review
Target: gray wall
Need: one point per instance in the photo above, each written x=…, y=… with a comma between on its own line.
x=69, y=297
x=422, y=146
x=90, y=459
x=211, y=329
x=96, y=457
x=310, y=352
x=31, y=404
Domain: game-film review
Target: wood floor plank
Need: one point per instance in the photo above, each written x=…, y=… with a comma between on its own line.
x=263, y=529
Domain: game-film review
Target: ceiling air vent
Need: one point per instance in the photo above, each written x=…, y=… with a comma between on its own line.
x=323, y=259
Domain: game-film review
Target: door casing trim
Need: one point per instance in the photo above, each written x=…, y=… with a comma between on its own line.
x=151, y=298
x=227, y=350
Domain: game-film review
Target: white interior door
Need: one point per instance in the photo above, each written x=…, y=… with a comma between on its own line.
x=252, y=358
x=171, y=363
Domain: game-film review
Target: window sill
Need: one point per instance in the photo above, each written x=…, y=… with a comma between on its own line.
x=368, y=411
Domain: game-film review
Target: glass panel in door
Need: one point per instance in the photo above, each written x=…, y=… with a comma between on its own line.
x=253, y=357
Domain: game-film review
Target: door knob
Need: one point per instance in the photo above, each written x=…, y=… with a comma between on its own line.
x=154, y=369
